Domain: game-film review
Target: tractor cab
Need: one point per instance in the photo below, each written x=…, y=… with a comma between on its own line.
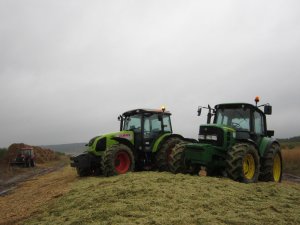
x=247, y=120
x=147, y=125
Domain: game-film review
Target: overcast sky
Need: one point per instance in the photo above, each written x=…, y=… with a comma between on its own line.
x=69, y=68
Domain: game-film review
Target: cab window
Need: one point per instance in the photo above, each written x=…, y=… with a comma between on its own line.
x=258, y=123
x=152, y=123
x=167, y=123
x=132, y=123
x=237, y=118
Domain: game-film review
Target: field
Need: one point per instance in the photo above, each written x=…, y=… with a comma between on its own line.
x=291, y=160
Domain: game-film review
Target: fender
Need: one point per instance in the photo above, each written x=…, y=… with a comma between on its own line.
x=159, y=141
x=191, y=140
x=124, y=142
x=266, y=144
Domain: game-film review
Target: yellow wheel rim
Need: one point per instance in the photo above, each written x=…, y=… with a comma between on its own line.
x=277, y=168
x=249, y=166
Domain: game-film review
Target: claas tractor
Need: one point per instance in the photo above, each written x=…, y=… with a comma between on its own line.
x=144, y=142
x=235, y=144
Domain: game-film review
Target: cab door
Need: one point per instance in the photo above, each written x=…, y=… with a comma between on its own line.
x=258, y=127
x=152, y=130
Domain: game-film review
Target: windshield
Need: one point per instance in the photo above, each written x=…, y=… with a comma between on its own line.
x=152, y=123
x=133, y=123
x=237, y=118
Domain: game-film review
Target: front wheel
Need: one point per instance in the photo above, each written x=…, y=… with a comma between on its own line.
x=243, y=163
x=271, y=165
x=118, y=159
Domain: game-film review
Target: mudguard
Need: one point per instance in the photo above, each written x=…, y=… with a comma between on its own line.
x=164, y=138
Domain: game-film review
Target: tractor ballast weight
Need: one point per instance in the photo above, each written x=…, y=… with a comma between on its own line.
x=236, y=144
x=144, y=142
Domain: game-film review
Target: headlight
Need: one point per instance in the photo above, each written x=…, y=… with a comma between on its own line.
x=212, y=137
x=201, y=137
x=234, y=134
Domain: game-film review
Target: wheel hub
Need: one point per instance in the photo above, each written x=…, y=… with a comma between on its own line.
x=277, y=168
x=249, y=166
x=122, y=162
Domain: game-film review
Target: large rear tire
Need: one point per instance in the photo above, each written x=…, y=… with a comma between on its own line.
x=163, y=155
x=242, y=163
x=271, y=165
x=118, y=159
x=177, y=164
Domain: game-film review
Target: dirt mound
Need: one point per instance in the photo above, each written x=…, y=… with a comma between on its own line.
x=42, y=155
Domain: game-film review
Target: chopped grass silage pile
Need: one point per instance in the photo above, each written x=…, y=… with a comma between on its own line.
x=164, y=198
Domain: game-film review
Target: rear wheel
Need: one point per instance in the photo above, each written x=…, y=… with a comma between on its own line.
x=118, y=159
x=243, y=163
x=271, y=165
x=163, y=155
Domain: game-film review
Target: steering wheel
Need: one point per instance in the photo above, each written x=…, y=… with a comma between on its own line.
x=236, y=125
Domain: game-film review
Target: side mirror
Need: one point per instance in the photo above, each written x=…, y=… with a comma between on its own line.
x=199, y=111
x=119, y=118
x=268, y=109
x=270, y=133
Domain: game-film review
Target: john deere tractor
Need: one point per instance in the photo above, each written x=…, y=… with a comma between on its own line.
x=144, y=142
x=236, y=144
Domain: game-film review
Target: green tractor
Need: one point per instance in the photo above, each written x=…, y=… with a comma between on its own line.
x=236, y=144
x=144, y=142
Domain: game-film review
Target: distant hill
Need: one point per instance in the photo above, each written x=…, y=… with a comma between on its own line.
x=71, y=149
x=292, y=139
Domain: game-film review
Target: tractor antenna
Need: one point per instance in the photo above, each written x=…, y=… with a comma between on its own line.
x=209, y=114
x=199, y=110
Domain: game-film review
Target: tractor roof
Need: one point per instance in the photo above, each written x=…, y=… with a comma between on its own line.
x=233, y=105
x=141, y=111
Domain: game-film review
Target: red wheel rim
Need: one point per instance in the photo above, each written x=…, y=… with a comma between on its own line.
x=122, y=162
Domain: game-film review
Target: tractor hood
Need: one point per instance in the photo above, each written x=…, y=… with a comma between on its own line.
x=214, y=134
x=98, y=144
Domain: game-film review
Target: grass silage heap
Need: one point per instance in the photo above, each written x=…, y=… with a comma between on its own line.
x=165, y=198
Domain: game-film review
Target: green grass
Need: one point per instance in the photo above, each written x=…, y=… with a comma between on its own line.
x=152, y=198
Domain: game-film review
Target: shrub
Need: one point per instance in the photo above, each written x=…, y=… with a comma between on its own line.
x=291, y=146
